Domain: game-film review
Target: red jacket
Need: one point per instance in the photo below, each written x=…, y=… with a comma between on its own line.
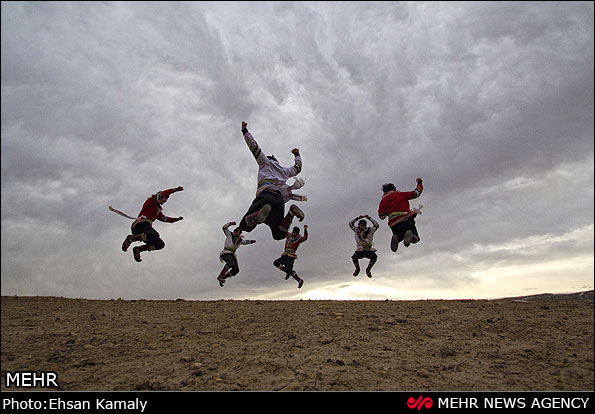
x=291, y=244
x=395, y=205
x=152, y=210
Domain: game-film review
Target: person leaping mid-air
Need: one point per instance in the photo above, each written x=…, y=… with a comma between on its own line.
x=364, y=236
x=289, y=255
x=142, y=227
x=233, y=240
x=273, y=192
x=401, y=218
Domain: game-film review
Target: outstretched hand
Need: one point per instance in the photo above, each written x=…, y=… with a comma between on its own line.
x=179, y=188
x=180, y=218
x=295, y=151
x=419, y=180
x=244, y=124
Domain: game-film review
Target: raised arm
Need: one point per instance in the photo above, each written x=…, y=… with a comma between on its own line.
x=225, y=227
x=410, y=195
x=261, y=159
x=305, y=236
x=297, y=166
x=168, y=192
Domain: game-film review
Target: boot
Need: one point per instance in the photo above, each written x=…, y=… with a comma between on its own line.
x=259, y=216
x=394, y=243
x=136, y=251
x=223, y=275
x=356, y=269
x=368, y=269
x=131, y=239
x=299, y=280
x=284, y=226
x=408, y=238
x=296, y=211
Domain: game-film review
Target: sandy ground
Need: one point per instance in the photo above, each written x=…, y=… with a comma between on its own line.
x=509, y=344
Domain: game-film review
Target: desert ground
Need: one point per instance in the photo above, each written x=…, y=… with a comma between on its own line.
x=541, y=343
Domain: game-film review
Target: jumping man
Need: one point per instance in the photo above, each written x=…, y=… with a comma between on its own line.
x=272, y=192
x=401, y=218
x=142, y=227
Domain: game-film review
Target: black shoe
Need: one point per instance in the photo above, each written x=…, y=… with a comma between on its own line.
x=394, y=243
x=408, y=238
x=127, y=242
x=136, y=252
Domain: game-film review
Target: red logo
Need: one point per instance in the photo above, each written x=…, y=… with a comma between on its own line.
x=420, y=403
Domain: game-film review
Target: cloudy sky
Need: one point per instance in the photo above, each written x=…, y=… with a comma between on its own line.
x=107, y=103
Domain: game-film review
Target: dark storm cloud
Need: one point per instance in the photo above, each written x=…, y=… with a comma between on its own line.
x=107, y=103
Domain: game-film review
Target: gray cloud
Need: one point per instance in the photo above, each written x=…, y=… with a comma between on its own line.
x=107, y=103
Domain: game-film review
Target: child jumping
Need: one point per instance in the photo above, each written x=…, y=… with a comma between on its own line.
x=289, y=256
x=364, y=236
x=233, y=240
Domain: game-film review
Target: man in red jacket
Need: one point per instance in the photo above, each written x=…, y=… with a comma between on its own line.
x=401, y=219
x=142, y=227
x=285, y=262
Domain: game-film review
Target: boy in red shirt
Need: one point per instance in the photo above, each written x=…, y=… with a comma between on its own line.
x=285, y=262
x=401, y=219
x=142, y=227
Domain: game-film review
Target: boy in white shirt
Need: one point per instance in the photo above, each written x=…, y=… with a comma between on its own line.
x=364, y=236
x=233, y=240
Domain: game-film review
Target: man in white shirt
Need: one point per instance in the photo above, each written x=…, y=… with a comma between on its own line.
x=272, y=192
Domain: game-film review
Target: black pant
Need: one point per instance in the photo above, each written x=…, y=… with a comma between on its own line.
x=232, y=262
x=150, y=236
x=364, y=254
x=287, y=261
x=400, y=228
x=275, y=200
